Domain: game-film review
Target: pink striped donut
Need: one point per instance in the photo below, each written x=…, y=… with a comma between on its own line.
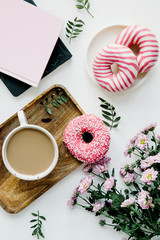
x=87, y=138
x=145, y=40
x=126, y=61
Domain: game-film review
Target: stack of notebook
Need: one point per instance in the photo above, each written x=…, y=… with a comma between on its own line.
x=29, y=46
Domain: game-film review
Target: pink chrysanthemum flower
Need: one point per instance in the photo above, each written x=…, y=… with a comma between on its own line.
x=104, y=160
x=87, y=168
x=128, y=202
x=128, y=150
x=108, y=184
x=85, y=183
x=147, y=162
x=150, y=127
x=141, y=141
x=100, y=168
x=129, y=178
x=149, y=175
x=133, y=139
x=71, y=201
x=98, y=206
x=126, y=168
x=144, y=199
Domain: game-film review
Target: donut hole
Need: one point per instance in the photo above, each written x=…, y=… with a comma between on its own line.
x=87, y=137
x=135, y=49
x=114, y=68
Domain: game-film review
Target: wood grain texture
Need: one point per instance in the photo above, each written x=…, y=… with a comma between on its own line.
x=16, y=194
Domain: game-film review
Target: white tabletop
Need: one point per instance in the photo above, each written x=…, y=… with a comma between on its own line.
x=137, y=107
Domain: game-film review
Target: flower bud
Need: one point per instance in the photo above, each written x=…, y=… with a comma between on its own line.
x=132, y=213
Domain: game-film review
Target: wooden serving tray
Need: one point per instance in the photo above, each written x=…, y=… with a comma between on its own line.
x=16, y=194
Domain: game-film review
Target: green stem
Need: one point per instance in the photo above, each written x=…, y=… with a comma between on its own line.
x=85, y=200
x=97, y=175
x=155, y=139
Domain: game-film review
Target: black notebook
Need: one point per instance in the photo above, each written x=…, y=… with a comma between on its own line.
x=59, y=55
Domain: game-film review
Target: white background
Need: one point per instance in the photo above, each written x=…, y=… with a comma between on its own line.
x=137, y=107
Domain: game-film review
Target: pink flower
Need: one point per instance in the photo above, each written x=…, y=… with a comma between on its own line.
x=125, y=168
x=108, y=184
x=85, y=184
x=147, y=162
x=149, y=175
x=129, y=178
x=132, y=141
x=87, y=168
x=141, y=141
x=100, y=168
x=150, y=127
x=144, y=199
x=98, y=206
x=128, y=202
x=71, y=201
x=104, y=160
x=128, y=150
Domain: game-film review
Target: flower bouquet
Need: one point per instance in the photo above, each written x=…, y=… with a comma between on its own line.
x=136, y=209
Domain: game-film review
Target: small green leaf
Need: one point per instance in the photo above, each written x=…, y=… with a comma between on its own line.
x=108, y=118
x=86, y=1
x=33, y=220
x=69, y=25
x=48, y=110
x=42, y=217
x=34, y=226
x=117, y=119
x=106, y=123
x=104, y=106
x=64, y=99
x=74, y=36
x=79, y=25
x=35, y=231
x=79, y=6
x=34, y=214
x=88, y=6
x=54, y=103
x=79, y=20
x=107, y=113
x=68, y=30
x=116, y=125
x=78, y=30
x=102, y=100
x=58, y=100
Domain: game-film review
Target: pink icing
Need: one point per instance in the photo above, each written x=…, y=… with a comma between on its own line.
x=73, y=137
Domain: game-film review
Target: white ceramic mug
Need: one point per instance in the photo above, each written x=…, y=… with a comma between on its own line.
x=24, y=125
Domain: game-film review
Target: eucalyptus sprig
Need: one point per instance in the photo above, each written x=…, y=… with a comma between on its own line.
x=55, y=100
x=109, y=114
x=74, y=28
x=84, y=4
x=37, y=225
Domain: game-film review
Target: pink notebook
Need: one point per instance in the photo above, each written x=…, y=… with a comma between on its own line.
x=27, y=38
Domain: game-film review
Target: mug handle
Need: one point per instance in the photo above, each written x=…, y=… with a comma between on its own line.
x=22, y=118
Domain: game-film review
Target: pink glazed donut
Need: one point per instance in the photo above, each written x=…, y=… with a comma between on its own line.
x=127, y=64
x=87, y=138
x=145, y=40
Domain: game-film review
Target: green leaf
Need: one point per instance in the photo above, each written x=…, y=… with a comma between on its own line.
x=34, y=226
x=102, y=100
x=76, y=34
x=79, y=1
x=68, y=30
x=116, y=125
x=79, y=20
x=86, y=1
x=58, y=100
x=33, y=220
x=79, y=25
x=69, y=25
x=40, y=233
x=107, y=113
x=117, y=119
x=104, y=106
x=106, y=123
x=113, y=172
x=42, y=217
x=54, y=103
x=79, y=6
x=78, y=30
x=64, y=99
x=88, y=6
x=48, y=110
x=34, y=214
x=35, y=231
x=108, y=118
